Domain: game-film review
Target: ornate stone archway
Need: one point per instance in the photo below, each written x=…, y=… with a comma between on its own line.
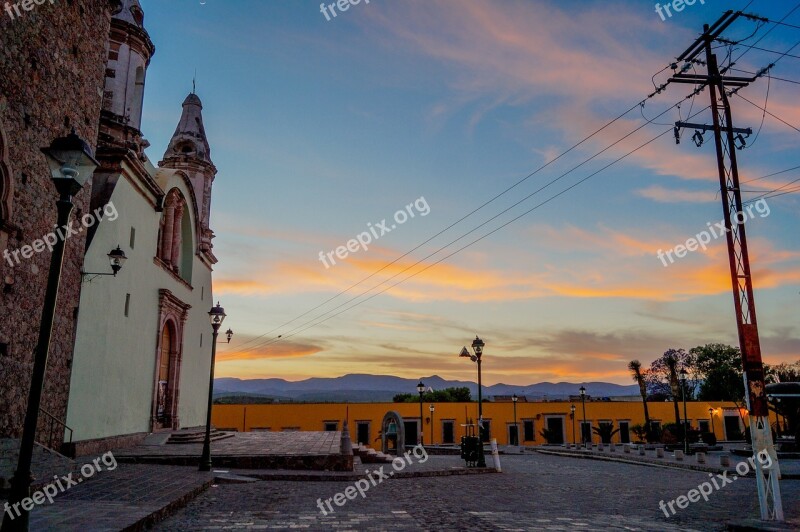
x=169, y=356
x=400, y=441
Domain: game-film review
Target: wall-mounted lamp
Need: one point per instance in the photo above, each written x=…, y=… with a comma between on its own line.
x=116, y=259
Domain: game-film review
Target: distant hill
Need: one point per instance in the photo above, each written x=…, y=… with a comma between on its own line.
x=363, y=388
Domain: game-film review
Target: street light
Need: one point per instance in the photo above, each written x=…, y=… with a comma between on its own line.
x=711, y=415
x=217, y=316
x=421, y=390
x=71, y=164
x=116, y=258
x=514, y=399
x=431, y=408
x=572, y=413
x=477, y=347
x=685, y=421
x=583, y=426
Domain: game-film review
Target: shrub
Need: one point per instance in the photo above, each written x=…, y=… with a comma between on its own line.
x=550, y=435
x=640, y=431
x=709, y=438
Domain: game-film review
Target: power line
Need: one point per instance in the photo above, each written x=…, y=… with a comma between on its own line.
x=485, y=235
x=303, y=327
x=765, y=194
x=767, y=112
x=658, y=90
x=770, y=175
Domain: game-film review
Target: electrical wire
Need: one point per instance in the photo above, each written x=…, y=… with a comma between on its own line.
x=300, y=328
x=658, y=90
x=767, y=112
x=483, y=236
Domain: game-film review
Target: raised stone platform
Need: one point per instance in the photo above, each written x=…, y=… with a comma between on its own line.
x=319, y=451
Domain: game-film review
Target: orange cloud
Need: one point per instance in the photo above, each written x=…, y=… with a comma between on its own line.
x=285, y=349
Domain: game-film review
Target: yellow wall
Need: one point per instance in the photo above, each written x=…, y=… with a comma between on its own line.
x=312, y=417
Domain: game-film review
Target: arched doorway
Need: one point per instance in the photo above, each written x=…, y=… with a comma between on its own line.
x=168, y=357
x=166, y=361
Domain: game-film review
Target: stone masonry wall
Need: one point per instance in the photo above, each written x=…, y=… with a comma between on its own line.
x=52, y=65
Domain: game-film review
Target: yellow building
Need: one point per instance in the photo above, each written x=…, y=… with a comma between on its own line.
x=445, y=423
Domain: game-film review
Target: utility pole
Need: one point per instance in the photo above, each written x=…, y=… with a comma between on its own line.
x=767, y=476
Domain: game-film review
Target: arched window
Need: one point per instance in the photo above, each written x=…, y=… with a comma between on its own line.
x=175, y=241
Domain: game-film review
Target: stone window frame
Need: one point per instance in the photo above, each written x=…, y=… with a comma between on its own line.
x=6, y=191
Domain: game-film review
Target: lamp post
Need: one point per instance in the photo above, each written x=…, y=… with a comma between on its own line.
x=217, y=316
x=572, y=413
x=583, y=403
x=685, y=421
x=514, y=400
x=421, y=390
x=711, y=415
x=71, y=164
x=431, y=408
x=477, y=347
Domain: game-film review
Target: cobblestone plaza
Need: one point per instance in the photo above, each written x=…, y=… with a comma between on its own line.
x=534, y=492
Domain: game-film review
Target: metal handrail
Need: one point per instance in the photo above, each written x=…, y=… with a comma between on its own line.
x=54, y=424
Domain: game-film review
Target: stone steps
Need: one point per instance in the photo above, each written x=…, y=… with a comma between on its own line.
x=182, y=438
x=368, y=455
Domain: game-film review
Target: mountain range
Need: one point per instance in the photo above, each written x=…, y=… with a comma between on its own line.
x=361, y=388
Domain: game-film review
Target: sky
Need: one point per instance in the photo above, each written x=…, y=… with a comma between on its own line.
x=322, y=129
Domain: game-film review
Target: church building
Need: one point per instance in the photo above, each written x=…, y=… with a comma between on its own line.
x=143, y=340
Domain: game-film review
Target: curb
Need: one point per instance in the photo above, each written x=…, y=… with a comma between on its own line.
x=168, y=509
x=652, y=463
x=671, y=465
x=352, y=477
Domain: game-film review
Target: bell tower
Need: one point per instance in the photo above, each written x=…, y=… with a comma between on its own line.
x=129, y=53
x=189, y=152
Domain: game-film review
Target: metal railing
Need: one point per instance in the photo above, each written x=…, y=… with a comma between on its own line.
x=49, y=437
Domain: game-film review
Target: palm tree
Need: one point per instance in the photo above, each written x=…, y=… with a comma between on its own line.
x=672, y=366
x=635, y=368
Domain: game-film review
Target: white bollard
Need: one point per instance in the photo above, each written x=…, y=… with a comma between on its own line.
x=641, y=450
x=701, y=458
x=612, y=448
x=678, y=455
x=660, y=452
x=724, y=460
x=496, y=455
x=626, y=449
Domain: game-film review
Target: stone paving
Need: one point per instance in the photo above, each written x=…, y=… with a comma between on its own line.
x=130, y=496
x=534, y=492
x=255, y=450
